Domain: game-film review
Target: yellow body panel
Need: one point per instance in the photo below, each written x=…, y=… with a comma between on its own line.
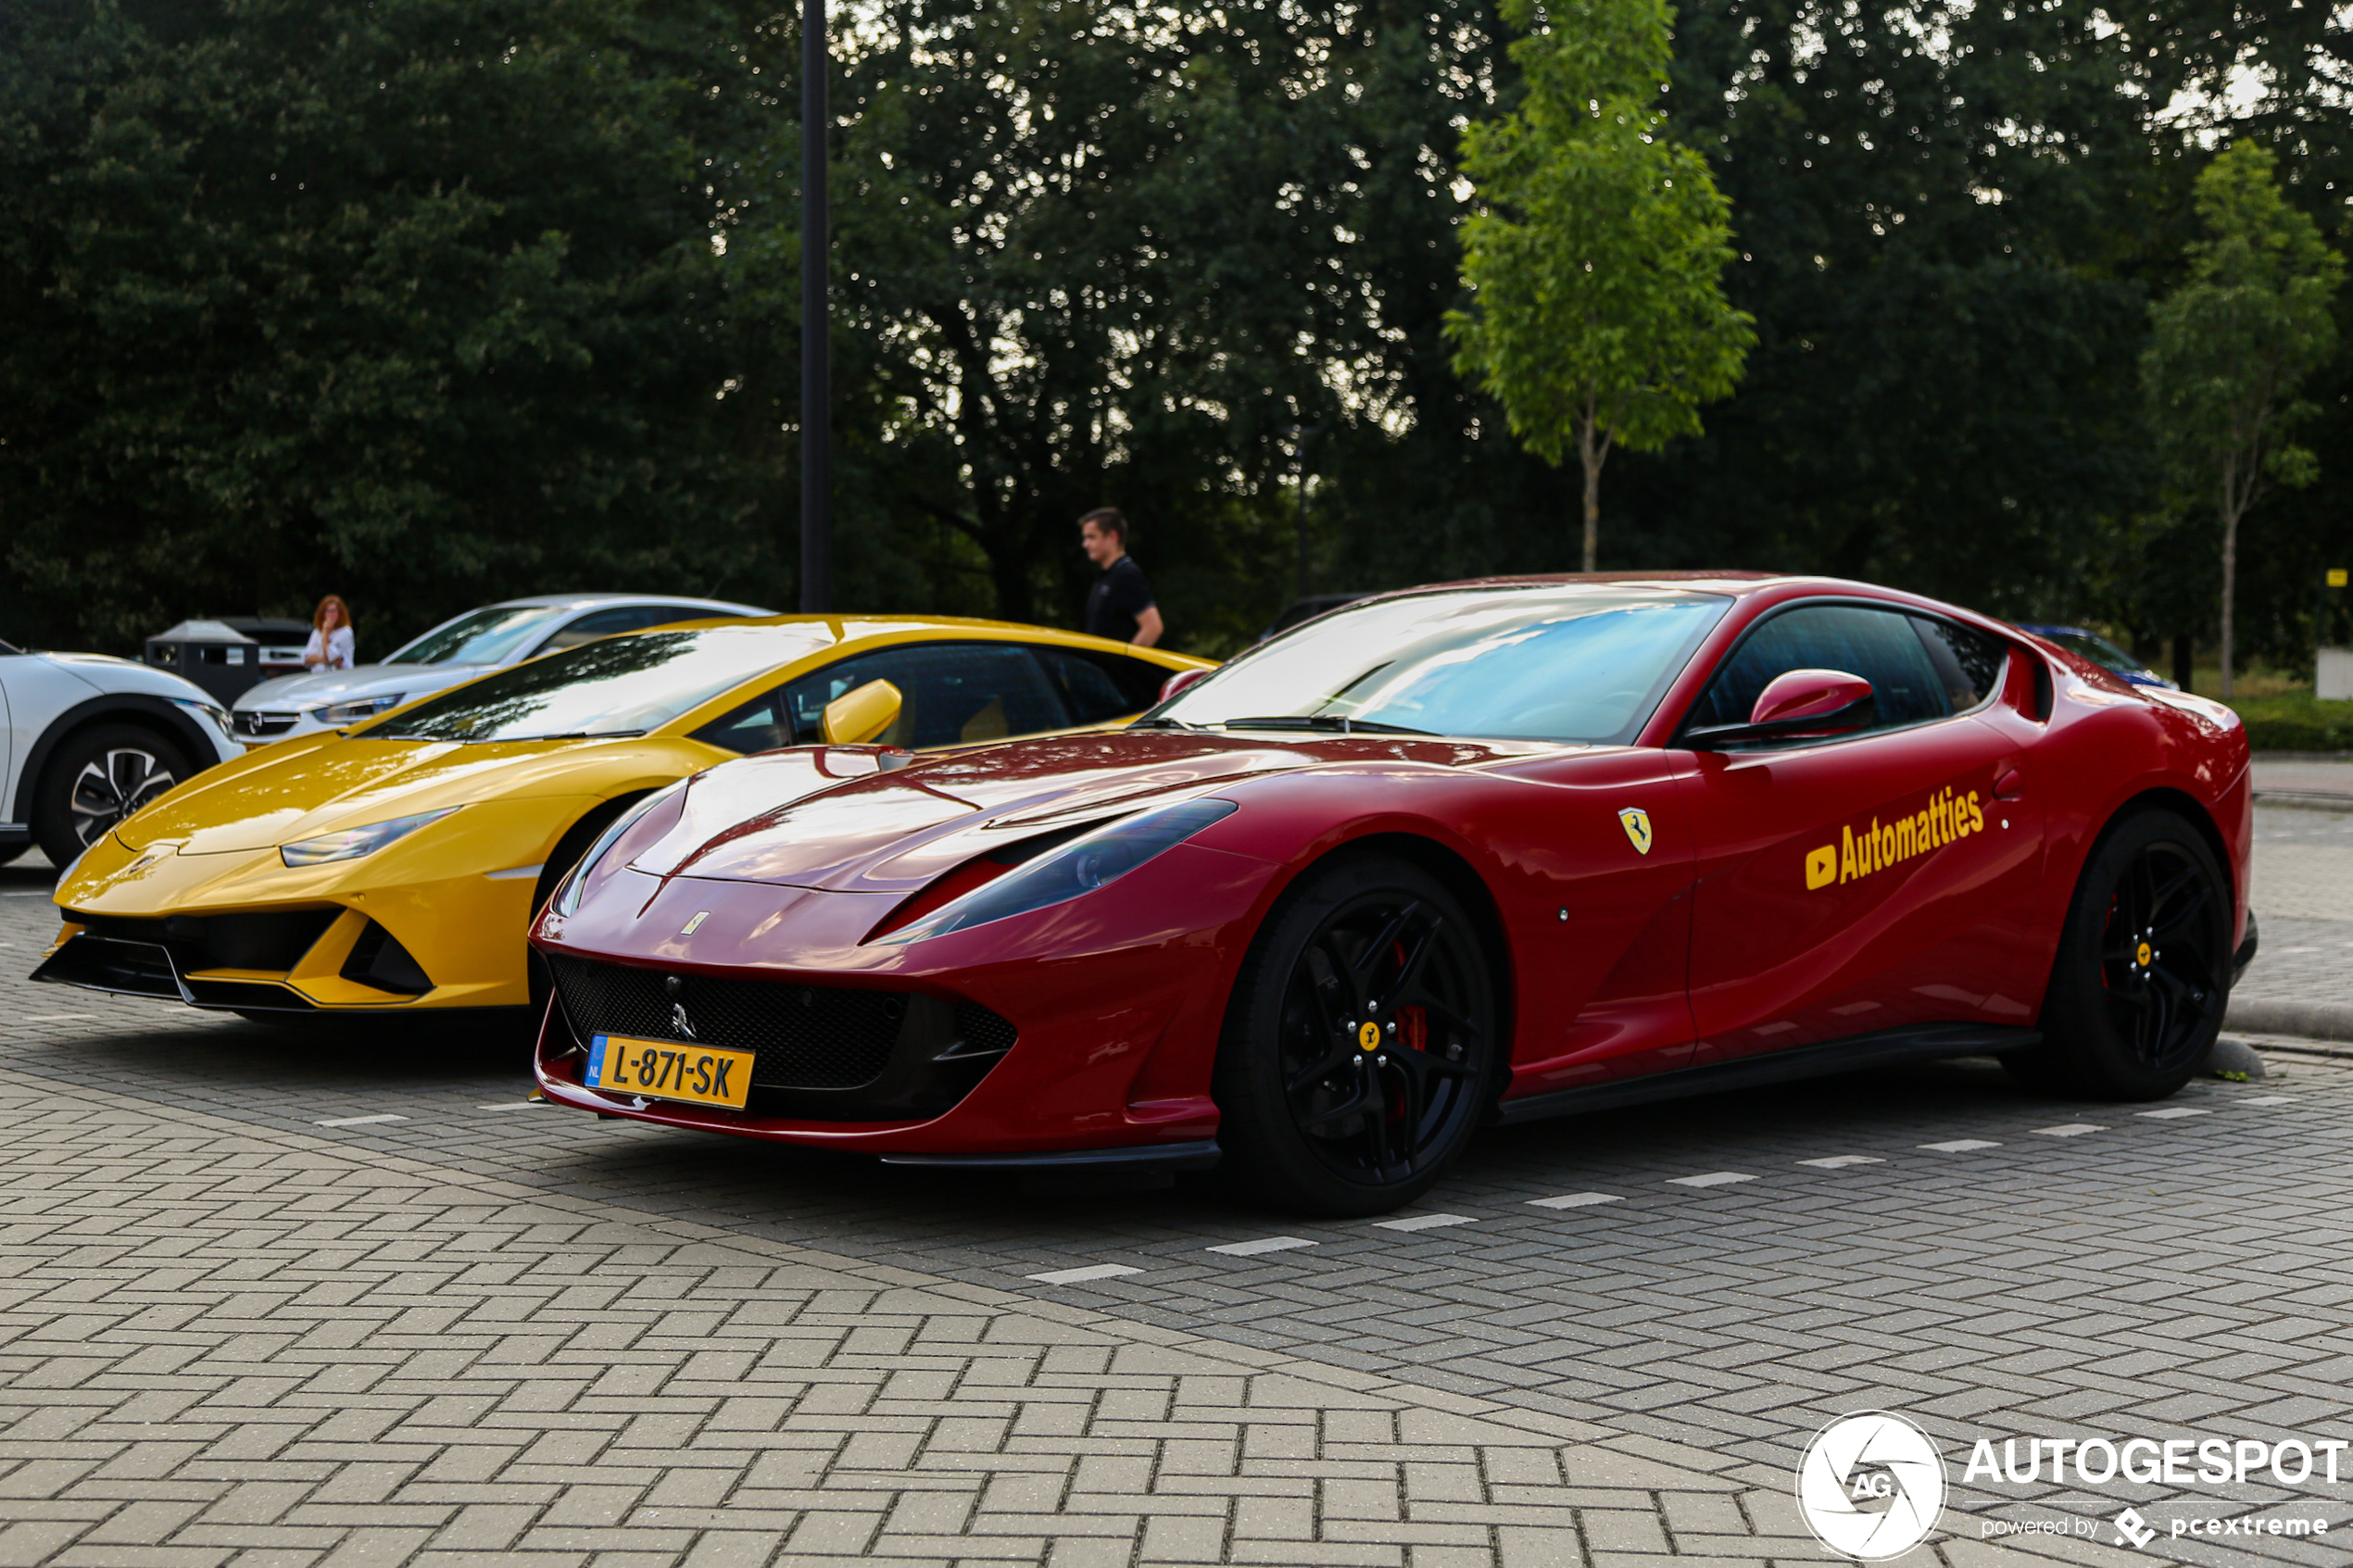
x=457, y=894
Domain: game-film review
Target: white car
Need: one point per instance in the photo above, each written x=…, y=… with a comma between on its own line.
x=90, y=739
x=472, y=644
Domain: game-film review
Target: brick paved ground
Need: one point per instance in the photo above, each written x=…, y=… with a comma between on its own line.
x=2303, y=892
x=228, y=1334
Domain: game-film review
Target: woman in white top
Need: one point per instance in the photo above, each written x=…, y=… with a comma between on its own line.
x=331, y=647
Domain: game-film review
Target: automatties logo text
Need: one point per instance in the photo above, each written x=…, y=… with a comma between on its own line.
x=1947, y=819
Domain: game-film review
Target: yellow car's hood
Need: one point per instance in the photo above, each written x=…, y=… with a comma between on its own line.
x=283, y=793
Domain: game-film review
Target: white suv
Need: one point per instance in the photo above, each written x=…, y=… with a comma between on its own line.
x=90, y=739
x=472, y=644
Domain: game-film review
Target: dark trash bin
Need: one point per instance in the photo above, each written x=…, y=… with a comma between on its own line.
x=213, y=654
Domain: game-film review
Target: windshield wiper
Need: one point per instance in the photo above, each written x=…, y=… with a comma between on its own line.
x=1335, y=722
x=579, y=735
x=506, y=740
x=1160, y=724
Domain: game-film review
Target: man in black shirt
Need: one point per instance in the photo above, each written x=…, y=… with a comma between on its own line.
x=1120, y=605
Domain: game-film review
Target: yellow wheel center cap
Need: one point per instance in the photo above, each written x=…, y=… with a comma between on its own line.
x=1368, y=1036
x=2145, y=954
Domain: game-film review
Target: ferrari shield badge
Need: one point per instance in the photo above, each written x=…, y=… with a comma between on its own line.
x=1637, y=823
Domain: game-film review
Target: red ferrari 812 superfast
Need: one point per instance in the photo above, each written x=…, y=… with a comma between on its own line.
x=1482, y=851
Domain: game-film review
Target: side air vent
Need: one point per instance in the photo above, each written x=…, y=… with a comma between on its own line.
x=379, y=959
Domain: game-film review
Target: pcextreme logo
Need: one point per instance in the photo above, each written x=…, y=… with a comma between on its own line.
x=1946, y=818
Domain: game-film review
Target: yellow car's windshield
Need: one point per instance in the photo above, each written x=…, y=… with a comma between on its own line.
x=622, y=685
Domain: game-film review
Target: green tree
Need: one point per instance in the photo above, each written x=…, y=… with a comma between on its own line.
x=2232, y=347
x=1598, y=311
x=414, y=299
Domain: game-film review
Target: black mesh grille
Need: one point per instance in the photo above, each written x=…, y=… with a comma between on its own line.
x=804, y=1036
x=982, y=1033
x=272, y=940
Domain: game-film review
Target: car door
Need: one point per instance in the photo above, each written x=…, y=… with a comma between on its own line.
x=1874, y=881
x=10, y=752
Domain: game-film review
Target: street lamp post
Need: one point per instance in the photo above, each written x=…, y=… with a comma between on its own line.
x=816, y=389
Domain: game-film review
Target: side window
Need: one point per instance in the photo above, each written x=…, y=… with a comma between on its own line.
x=763, y=724
x=605, y=623
x=950, y=693
x=1881, y=646
x=1099, y=686
x=1968, y=664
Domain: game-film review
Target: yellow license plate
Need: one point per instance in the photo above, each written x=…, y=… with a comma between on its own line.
x=670, y=1070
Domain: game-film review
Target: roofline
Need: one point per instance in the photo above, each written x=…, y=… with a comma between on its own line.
x=549, y=601
x=883, y=625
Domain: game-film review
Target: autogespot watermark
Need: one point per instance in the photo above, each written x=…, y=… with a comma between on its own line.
x=1871, y=1485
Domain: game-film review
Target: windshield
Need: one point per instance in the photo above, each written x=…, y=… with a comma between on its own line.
x=1546, y=663
x=2099, y=650
x=482, y=637
x=621, y=685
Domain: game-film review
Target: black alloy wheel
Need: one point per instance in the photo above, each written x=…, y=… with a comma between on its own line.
x=2158, y=960
x=96, y=779
x=1361, y=1046
x=2143, y=973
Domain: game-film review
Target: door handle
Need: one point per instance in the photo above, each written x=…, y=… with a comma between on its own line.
x=2012, y=788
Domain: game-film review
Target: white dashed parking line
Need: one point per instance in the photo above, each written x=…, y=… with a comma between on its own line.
x=55, y=1017
x=1080, y=1276
x=1960, y=1145
x=1837, y=1161
x=512, y=1105
x=2171, y=1113
x=1712, y=1179
x=2270, y=1100
x=1576, y=1200
x=1263, y=1243
x=357, y=1121
x=2070, y=1130
x=1425, y=1222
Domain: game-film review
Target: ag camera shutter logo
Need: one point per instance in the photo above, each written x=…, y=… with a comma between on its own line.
x=1870, y=1486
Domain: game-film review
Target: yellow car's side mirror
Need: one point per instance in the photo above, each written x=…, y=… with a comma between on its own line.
x=855, y=718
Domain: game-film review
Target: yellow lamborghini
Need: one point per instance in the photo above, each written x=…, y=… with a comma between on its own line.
x=397, y=865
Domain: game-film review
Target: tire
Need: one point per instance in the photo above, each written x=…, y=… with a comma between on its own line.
x=1312, y=1118
x=9, y=853
x=2144, y=967
x=559, y=864
x=94, y=780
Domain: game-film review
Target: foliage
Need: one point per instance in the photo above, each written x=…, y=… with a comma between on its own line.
x=528, y=320
x=1598, y=313
x=307, y=296
x=2295, y=721
x=2232, y=347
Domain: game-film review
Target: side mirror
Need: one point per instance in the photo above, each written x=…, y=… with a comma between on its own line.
x=1179, y=681
x=1832, y=696
x=1799, y=703
x=857, y=717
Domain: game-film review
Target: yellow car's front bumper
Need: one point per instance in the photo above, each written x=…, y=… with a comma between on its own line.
x=415, y=925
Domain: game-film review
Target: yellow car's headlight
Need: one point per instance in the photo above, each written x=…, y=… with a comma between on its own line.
x=351, y=843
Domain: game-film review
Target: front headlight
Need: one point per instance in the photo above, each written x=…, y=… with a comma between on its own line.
x=567, y=899
x=358, y=708
x=352, y=843
x=204, y=710
x=1080, y=866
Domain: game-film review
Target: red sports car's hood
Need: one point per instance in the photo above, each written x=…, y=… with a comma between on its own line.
x=828, y=816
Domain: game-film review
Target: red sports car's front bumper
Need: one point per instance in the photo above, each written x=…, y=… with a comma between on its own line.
x=1117, y=998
